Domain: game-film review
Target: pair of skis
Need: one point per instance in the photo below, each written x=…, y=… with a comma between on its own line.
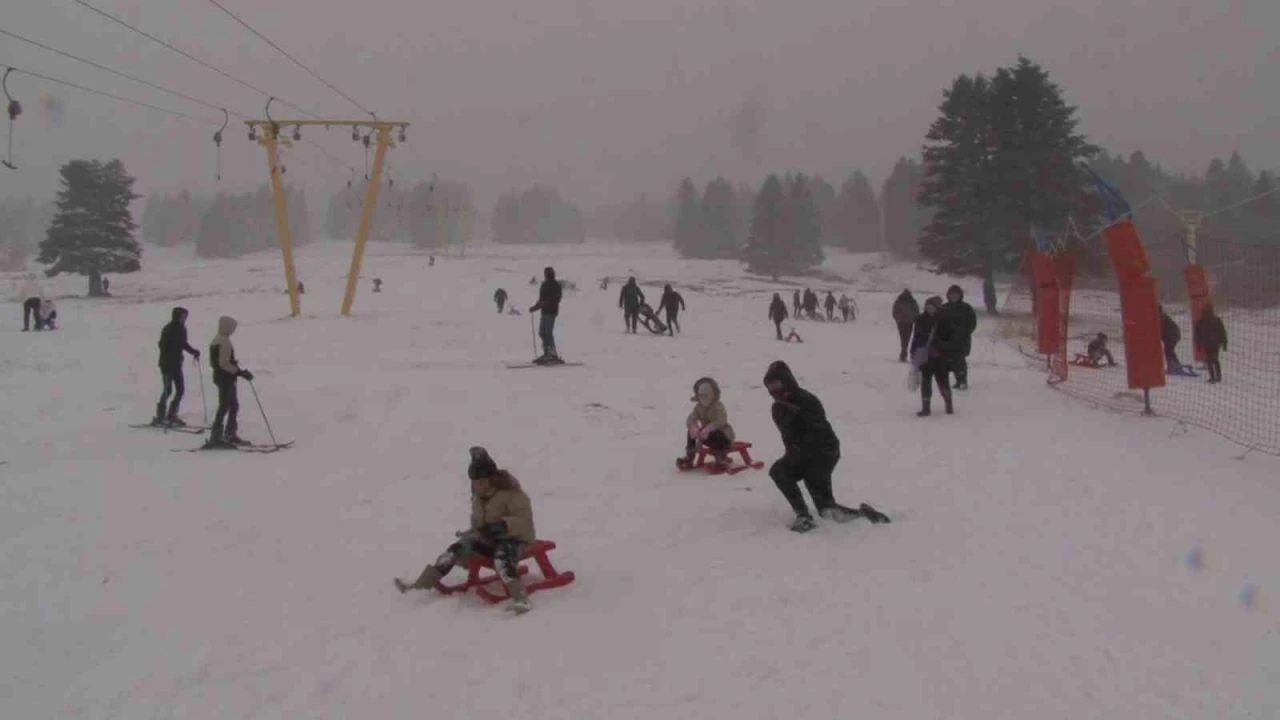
x=200, y=430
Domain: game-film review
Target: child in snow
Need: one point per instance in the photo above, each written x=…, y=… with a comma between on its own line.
x=812, y=451
x=226, y=371
x=1098, y=351
x=48, y=315
x=500, y=298
x=708, y=423
x=501, y=525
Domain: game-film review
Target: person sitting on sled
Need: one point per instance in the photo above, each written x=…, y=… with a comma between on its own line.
x=501, y=526
x=1097, y=351
x=708, y=423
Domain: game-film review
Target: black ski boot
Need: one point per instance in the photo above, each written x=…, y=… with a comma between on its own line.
x=947, y=399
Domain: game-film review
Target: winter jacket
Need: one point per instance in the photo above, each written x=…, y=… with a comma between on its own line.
x=777, y=310
x=671, y=301
x=173, y=342
x=800, y=418
x=905, y=308
x=830, y=302
x=630, y=297
x=222, y=354
x=549, y=294
x=714, y=416
x=947, y=342
x=508, y=503
x=500, y=296
x=965, y=319
x=1209, y=332
x=1170, y=335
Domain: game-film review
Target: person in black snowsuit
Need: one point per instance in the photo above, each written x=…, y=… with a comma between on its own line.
x=500, y=297
x=830, y=305
x=1098, y=351
x=796, y=305
x=811, y=304
x=173, y=342
x=226, y=371
x=935, y=346
x=812, y=449
x=549, y=295
x=966, y=321
x=1170, y=335
x=905, y=312
x=1211, y=335
x=673, y=303
x=630, y=299
x=778, y=313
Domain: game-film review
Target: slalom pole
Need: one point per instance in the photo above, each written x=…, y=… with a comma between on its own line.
x=264, y=414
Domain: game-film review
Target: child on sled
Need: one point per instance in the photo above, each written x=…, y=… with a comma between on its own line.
x=501, y=525
x=708, y=424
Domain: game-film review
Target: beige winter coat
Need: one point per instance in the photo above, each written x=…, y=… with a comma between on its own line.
x=714, y=416
x=507, y=502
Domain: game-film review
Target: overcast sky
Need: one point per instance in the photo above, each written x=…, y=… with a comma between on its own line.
x=608, y=98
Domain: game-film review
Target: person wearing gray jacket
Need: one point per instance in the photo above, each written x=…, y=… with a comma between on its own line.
x=226, y=371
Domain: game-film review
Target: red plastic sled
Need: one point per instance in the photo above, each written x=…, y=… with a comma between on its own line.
x=536, y=550
x=713, y=468
x=1084, y=361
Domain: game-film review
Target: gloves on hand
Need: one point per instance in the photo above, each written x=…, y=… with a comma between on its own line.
x=494, y=531
x=705, y=433
x=196, y=354
x=533, y=309
x=246, y=375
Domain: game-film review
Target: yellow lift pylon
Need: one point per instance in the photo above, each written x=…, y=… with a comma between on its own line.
x=267, y=134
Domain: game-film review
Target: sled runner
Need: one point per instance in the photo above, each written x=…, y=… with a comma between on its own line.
x=536, y=551
x=713, y=468
x=650, y=320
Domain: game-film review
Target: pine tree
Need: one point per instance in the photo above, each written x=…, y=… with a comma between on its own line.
x=904, y=217
x=93, y=231
x=824, y=198
x=768, y=250
x=859, y=215
x=719, y=216
x=805, y=225
x=688, y=230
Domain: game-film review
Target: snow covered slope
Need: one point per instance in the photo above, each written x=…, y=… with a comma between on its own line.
x=1037, y=566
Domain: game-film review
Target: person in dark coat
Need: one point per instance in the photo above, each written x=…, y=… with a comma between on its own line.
x=812, y=449
x=935, y=344
x=500, y=297
x=778, y=313
x=549, y=294
x=811, y=304
x=1211, y=335
x=796, y=305
x=629, y=299
x=1170, y=336
x=1098, y=351
x=905, y=312
x=673, y=303
x=966, y=321
x=173, y=342
x=830, y=305
x=106, y=286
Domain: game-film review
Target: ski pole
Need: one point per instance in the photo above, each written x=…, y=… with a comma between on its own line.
x=204, y=404
x=264, y=413
x=533, y=336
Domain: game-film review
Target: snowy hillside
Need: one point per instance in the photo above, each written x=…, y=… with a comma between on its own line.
x=1037, y=567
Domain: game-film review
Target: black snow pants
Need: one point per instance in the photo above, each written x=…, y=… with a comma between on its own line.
x=673, y=321
x=788, y=471
x=904, y=335
x=173, y=383
x=29, y=308
x=630, y=318
x=228, y=411
x=505, y=554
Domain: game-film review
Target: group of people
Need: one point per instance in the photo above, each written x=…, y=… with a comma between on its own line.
x=806, y=305
x=1208, y=333
x=226, y=372
x=501, y=522
x=635, y=310
x=938, y=341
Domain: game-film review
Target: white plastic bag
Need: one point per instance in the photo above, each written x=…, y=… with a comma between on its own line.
x=913, y=379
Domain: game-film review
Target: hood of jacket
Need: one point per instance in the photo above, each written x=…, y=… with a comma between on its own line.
x=955, y=290
x=226, y=325
x=779, y=372
x=549, y=273
x=177, y=311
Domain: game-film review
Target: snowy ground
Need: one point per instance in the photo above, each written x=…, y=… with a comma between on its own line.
x=1037, y=566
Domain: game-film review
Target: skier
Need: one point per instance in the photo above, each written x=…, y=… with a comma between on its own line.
x=905, y=312
x=629, y=299
x=226, y=371
x=796, y=305
x=812, y=449
x=966, y=321
x=673, y=303
x=708, y=423
x=935, y=345
x=549, y=295
x=830, y=305
x=1211, y=335
x=500, y=297
x=778, y=313
x=501, y=525
x=1098, y=350
x=48, y=315
x=1170, y=335
x=173, y=342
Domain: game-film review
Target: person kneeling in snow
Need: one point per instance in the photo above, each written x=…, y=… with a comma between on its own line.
x=708, y=424
x=812, y=451
x=501, y=525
